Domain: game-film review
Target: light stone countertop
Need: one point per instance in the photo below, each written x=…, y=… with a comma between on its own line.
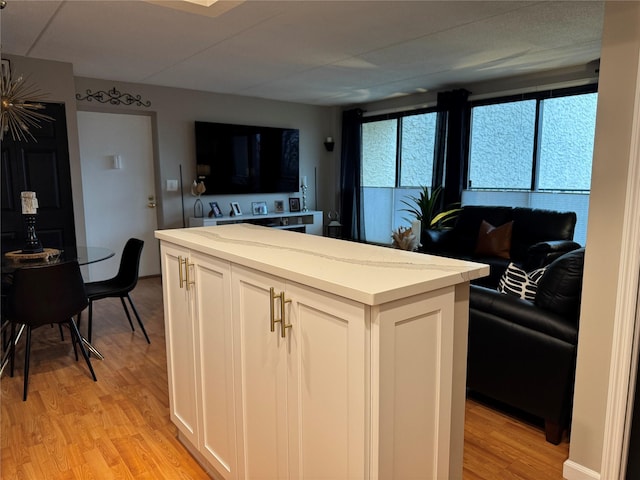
x=369, y=274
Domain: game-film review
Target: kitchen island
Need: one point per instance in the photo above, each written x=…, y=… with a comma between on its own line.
x=304, y=357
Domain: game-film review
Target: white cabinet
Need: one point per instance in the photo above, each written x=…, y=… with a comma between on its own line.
x=303, y=357
x=301, y=396
x=196, y=292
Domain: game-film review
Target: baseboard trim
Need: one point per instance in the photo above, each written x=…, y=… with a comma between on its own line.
x=574, y=471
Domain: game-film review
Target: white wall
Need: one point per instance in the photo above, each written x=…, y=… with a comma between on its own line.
x=176, y=111
x=604, y=261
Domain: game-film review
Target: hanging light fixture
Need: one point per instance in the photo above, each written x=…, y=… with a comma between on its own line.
x=20, y=106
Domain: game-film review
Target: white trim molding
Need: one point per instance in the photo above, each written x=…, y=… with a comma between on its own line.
x=624, y=334
x=574, y=471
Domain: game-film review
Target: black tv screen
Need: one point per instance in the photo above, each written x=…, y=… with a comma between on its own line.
x=233, y=159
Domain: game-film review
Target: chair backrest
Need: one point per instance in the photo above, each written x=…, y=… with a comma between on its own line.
x=47, y=294
x=127, y=276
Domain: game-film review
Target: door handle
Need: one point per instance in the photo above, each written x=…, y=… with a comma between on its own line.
x=152, y=201
x=283, y=324
x=272, y=317
x=181, y=262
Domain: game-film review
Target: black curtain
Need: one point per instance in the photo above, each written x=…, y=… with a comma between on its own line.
x=452, y=138
x=350, y=187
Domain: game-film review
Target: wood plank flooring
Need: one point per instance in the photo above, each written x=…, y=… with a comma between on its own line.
x=119, y=427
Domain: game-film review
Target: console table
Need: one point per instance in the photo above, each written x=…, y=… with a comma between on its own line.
x=307, y=222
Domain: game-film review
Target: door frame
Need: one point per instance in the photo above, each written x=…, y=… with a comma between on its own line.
x=626, y=339
x=154, y=148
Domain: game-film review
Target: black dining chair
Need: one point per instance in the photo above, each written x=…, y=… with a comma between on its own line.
x=44, y=295
x=119, y=286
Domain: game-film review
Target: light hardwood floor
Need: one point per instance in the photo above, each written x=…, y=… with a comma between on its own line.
x=119, y=427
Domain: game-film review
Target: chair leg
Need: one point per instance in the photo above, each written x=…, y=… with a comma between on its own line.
x=61, y=332
x=73, y=342
x=12, y=346
x=76, y=334
x=90, y=320
x=126, y=310
x=27, y=356
x=133, y=307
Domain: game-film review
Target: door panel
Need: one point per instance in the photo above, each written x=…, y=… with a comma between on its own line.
x=41, y=166
x=116, y=200
x=261, y=360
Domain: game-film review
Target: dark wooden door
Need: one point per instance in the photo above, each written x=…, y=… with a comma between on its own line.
x=41, y=166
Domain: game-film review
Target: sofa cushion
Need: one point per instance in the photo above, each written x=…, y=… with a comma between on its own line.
x=533, y=225
x=468, y=223
x=560, y=289
x=494, y=241
x=515, y=281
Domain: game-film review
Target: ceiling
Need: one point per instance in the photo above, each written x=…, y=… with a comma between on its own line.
x=314, y=52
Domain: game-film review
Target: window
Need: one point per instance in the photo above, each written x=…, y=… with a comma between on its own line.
x=397, y=159
x=501, y=137
x=568, y=126
x=537, y=144
x=379, y=153
x=534, y=152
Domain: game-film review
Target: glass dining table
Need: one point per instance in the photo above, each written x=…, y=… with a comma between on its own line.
x=11, y=261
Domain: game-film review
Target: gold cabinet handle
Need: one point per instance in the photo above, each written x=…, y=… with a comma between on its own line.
x=185, y=281
x=273, y=296
x=283, y=325
x=188, y=281
x=181, y=262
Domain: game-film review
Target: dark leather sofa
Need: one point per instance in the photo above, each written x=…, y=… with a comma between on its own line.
x=523, y=353
x=538, y=237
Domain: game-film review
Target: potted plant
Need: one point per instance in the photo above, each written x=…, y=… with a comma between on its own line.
x=427, y=209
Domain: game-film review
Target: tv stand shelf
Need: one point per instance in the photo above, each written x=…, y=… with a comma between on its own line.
x=308, y=222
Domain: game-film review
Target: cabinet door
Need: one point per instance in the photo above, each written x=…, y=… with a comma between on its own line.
x=413, y=374
x=214, y=385
x=260, y=363
x=179, y=335
x=327, y=353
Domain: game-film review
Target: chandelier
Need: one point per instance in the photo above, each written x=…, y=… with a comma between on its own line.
x=19, y=111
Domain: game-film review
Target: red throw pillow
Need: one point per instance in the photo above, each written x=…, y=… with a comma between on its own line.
x=494, y=241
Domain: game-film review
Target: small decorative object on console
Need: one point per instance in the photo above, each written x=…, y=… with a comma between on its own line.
x=259, y=208
x=215, y=210
x=294, y=204
x=235, y=209
x=197, y=189
x=279, y=206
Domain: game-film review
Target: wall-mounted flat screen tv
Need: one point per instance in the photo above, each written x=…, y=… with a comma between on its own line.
x=233, y=159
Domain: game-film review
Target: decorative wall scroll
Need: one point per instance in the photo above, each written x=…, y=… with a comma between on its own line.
x=114, y=97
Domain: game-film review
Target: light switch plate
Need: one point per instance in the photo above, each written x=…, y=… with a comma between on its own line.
x=172, y=185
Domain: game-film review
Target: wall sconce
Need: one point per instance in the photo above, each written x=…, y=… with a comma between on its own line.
x=116, y=162
x=329, y=144
x=203, y=171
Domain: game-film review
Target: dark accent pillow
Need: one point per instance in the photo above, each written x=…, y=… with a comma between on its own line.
x=515, y=281
x=494, y=241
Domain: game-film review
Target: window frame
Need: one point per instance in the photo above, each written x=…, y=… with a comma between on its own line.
x=538, y=97
x=398, y=116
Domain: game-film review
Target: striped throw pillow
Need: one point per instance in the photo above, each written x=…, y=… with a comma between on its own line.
x=515, y=281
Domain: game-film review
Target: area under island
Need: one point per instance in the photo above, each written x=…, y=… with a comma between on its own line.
x=298, y=356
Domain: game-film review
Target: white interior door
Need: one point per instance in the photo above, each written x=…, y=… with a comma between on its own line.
x=119, y=195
